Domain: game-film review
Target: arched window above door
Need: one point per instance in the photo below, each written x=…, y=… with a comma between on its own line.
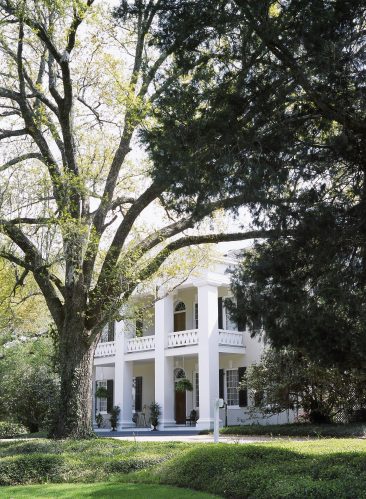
x=180, y=307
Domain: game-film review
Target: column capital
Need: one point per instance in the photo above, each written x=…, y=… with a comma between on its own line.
x=207, y=282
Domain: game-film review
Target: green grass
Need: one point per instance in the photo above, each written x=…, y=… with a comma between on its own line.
x=299, y=430
x=100, y=490
x=322, y=468
x=41, y=460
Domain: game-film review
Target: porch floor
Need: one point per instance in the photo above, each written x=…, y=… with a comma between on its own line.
x=176, y=429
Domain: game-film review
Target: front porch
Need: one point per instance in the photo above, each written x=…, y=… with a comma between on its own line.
x=135, y=385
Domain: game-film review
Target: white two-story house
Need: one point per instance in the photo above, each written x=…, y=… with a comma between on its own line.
x=190, y=335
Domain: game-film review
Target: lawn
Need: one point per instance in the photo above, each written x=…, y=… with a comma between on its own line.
x=322, y=468
x=101, y=490
x=299, y=430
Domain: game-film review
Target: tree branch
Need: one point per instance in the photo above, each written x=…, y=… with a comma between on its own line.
x=19, y=159
x=34, y=260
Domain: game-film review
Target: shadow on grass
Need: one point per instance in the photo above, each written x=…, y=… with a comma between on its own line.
x=269, y=471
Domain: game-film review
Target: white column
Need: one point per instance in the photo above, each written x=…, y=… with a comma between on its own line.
x=208, y=354
x=123, y=372
x=164, y=366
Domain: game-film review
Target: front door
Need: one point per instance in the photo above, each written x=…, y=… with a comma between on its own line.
x=180, y=321
x=180, y=407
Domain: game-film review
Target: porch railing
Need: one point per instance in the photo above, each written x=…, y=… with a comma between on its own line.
x=231, y=338
x=141, y=344
x=105, y=349
x=183, y=338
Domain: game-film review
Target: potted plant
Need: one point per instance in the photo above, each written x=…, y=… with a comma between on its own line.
x=184, y=385
x=101, y=392
x=99, y=419
x=115, y=412
x=155, y=412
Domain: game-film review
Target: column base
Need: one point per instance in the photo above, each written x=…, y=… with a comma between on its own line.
x=125, y=424
x=205, y=424
x=167, y=422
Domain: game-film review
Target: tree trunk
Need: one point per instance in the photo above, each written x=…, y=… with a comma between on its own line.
x=74, y=414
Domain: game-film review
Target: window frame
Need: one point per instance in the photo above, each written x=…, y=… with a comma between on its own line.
x=103, y=383
x=227, y=371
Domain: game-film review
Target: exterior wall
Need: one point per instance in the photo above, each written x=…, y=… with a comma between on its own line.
x=104, y=373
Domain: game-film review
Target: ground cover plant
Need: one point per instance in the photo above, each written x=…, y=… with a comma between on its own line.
x=299, y=430
x=42, y=460
x=322, y=468
x=104, y=489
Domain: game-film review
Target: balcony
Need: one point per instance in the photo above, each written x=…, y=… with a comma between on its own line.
x=105, y=349
x=175, y=340
x=183, y=338
x=231, y=338
x=140, y=344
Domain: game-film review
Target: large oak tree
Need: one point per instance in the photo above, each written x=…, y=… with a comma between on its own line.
x=75, y=87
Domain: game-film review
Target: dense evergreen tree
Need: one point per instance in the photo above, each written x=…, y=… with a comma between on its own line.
x=287, y=133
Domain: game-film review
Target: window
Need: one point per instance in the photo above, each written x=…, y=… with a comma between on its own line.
x=232, y=385
x=104, y=335
x=108, y=333
x=101, y=403
x=197, y=390
x=111, y=330
x=180, y=307
x=139, y=327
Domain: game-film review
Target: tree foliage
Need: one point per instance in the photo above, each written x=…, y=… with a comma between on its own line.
x=287, y=380
x=29, y=385
x=306, y=286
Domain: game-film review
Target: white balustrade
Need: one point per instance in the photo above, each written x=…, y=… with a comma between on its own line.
x=105, y=349
x=231, y=338
x=177, y=339
x=141, y=344
x=183, y=338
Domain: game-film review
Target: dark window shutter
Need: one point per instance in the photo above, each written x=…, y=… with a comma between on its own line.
x=241, y=317
x=220, y=320
x=111, y=330
x=95, y=397
x=221, y=383
x=138, y=394
x=243, y=394
x=110, y=395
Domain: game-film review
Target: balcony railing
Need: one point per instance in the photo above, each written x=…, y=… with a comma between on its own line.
x=231, y=338
x=141, y=344
x=177, y=339
x=183, y=338
x=105, y=349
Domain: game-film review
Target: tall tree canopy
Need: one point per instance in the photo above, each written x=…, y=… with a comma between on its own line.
x=75, y=87
x=307, y=285
x=280, y=120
